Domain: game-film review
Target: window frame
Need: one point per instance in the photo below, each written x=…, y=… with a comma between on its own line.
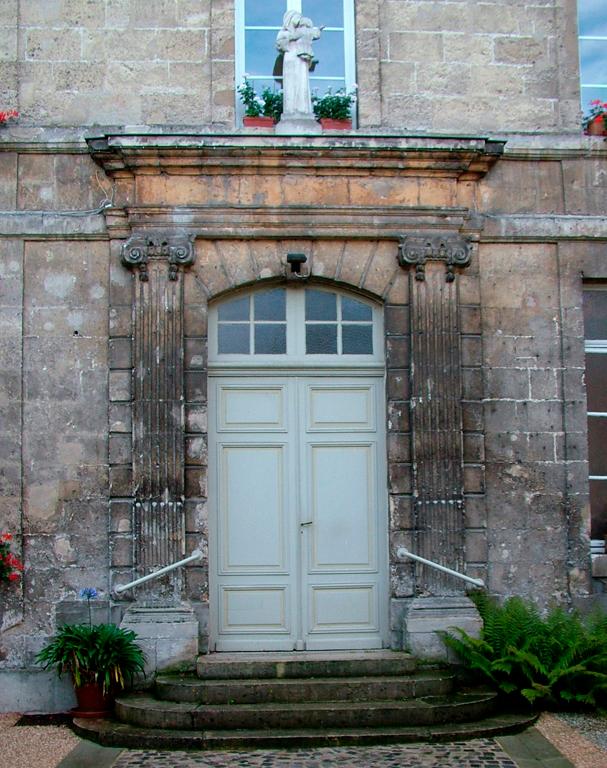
x=349, y=32
x=295, y=355
x=594, y=347
x=602, y=86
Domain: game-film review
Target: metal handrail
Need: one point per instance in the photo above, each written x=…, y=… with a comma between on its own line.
x=402, y=552
x=196, y=555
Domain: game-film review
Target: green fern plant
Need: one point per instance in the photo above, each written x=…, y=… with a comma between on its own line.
x=556, y=661
x=103, y=653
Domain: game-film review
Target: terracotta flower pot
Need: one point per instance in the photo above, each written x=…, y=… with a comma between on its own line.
x=596, y=127
x=258, y=122
x=92, y=702
x=330, y=124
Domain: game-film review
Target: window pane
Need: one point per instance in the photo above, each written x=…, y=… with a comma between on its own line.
x=321, y=339
x=233, y=339
x=271, y=339
x=270, y=305
x=595, y=314
x=357, y=340
x=596, y=382
x=261, y=51
x=598, y=508
x=592, y=93
x=593, y=54
x=597, y=440
x=328, y=13
x=355, y=310
x=592, y=17
x=237, y=309
x=264, y=13
x=329, y=51
x=320, y=305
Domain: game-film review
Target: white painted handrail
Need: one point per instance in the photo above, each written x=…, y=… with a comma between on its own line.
x=196, y=555
x=402, y=552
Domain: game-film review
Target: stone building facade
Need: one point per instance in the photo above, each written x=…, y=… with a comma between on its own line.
x=467, y=210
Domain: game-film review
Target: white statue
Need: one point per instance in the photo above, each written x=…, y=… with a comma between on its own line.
x=295, y=43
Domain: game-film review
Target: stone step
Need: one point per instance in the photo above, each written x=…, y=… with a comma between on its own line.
x=187, y=688
x=223, y=666
x=114, y=734
x=145, y=711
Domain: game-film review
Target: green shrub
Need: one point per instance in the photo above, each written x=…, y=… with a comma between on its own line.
x=553, y=662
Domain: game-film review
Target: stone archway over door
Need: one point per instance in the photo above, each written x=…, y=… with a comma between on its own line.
x=297, y=489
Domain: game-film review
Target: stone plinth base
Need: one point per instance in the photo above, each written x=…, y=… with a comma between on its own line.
x=297, y=124
x=427, y=615
x=169, y=636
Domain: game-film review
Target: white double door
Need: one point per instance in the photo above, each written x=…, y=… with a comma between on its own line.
x=298, y=536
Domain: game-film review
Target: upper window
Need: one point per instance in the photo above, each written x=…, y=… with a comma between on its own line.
x=593, y=50
x=595, y=328
x=259, y=21
x=300, y=322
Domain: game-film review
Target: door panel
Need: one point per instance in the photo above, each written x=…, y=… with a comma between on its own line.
x=252, y=513
x=341, y=482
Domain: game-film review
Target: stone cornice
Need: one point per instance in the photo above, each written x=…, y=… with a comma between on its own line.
x=459, y=157
x=242, y=221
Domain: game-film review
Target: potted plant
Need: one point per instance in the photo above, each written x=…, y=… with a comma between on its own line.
x=101, y=659
x=7, y=115
x=595, y=122
x=260, y=111
x=334, y=110
x=10, y=565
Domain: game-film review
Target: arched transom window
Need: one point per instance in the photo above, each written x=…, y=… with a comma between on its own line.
x=307, y=323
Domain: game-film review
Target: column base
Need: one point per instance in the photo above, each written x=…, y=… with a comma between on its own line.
x=427, y=615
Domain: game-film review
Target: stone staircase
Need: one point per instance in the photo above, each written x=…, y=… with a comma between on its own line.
x=244, y=701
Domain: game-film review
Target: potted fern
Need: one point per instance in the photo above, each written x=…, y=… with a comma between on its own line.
x=334, y=110
x=100, y=658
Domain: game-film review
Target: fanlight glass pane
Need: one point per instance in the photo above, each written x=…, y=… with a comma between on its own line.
x=237, y=309
x=270, y=305
x=270, y=339
x=264, y=13
x=357, y=339
x=320, y=305
x=351, y=309
x=321, y=339
x=233, y=339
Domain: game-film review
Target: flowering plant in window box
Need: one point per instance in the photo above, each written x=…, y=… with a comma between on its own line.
x=260, y=110
x=334, y=110
x=10, y=566
x=7, y=115
x=595, y=122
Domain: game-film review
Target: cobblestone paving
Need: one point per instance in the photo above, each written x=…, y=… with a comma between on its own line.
x=477, y=753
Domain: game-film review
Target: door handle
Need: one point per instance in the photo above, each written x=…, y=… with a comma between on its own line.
x=309, y=522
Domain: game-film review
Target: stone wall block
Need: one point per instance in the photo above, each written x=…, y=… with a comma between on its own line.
x=121, y=515
x=120, y=417
x=121, y=481
x=402, y=517
x=195, y=353
x=196, y=418
x=474, y=479
x=472, y=416
x=8, y=179
x=472, y=383
x=196, y=482
x=209, y=268
x=196, y=450
x=325, y=260
x=476, y=546
x=356, y=261
x=398, y=384
x=236, y=261
x=381, y=269
x=396, y=320
x=120, y=353
x=399, y=447
x=398, y=416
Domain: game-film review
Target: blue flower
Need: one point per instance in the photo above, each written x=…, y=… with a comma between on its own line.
x=89, y=592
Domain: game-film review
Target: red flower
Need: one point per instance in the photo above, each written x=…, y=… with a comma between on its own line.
x=13, y=576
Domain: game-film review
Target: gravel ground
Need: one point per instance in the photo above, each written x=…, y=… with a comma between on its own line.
x=33, y=746
x=582, y=739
